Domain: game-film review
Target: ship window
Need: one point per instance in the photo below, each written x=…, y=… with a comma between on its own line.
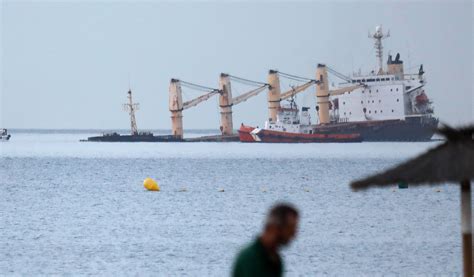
x=343, y=103
x=391, y=89
x=380, y=101
x=381, y=111
x=376, y=111
x=370, y=91
x=370, y=111
x=398, y=100
x=392, y=111
x=378, y=79
x=372, y=101
x=408, y=87
x=377, y=90
x=362, y=102
x=344, y=113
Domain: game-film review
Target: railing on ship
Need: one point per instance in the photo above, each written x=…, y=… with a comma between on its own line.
x=383, y=78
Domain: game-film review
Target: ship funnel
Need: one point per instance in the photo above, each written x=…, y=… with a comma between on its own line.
x=395, y=67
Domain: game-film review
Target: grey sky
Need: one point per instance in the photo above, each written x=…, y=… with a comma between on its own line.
x=68, y=65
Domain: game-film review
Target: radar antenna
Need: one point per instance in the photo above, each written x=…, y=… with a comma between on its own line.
x=378, y=36
x=131, y=107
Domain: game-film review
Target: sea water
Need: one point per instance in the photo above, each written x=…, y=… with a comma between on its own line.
x=79, y=208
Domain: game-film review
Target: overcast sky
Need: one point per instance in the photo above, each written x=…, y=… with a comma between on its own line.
x=69, y=65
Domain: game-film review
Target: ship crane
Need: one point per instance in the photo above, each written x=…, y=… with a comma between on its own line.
x=131, y=107
x=297, y=89
x=323, y=93
x=226, y=101
x=275, y=96
x=176, y=104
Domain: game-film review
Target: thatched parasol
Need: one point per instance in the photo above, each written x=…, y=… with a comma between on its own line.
x=452, y=161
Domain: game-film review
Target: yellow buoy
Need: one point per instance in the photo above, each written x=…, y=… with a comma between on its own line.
x=151, y=184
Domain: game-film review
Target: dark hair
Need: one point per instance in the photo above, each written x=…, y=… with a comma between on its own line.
x=279, y=213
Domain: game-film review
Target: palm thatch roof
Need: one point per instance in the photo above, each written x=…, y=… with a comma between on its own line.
x=452, y=161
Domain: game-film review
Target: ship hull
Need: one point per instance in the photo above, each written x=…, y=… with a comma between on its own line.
x=411, y=129
x=245, y=134
x=250, y=134
x=133, y=138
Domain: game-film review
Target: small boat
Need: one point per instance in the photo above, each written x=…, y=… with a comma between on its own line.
x=290, y=128
x=4, y=136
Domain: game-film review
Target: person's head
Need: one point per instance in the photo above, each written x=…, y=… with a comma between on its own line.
x=282, y=223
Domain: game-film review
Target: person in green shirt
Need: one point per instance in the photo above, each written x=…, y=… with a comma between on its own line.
x=261, y=257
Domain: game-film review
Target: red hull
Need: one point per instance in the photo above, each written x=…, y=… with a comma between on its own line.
x=244, y=134
x=263, y=135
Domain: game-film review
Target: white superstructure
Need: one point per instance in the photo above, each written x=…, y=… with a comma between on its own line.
x=289, y=120
x=388, y=94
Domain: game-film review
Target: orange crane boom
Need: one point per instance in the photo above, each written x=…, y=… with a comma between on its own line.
x=197, y=100
x=296, y=90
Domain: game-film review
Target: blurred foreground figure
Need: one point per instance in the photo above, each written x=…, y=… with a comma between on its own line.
x=261, y=257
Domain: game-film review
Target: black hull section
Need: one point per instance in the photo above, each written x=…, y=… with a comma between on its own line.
x=134, y=138
x=411, y=129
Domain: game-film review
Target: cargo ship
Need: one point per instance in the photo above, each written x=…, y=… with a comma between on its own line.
x=385, y=105
x=135, y=135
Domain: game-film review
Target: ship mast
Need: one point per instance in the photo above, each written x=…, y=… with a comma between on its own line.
x=378, y=36
x=131, y=107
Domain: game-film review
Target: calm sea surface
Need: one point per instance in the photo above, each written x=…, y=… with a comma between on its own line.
x=79, y=208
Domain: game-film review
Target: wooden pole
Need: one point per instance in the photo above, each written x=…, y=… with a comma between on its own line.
x=466, y=225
